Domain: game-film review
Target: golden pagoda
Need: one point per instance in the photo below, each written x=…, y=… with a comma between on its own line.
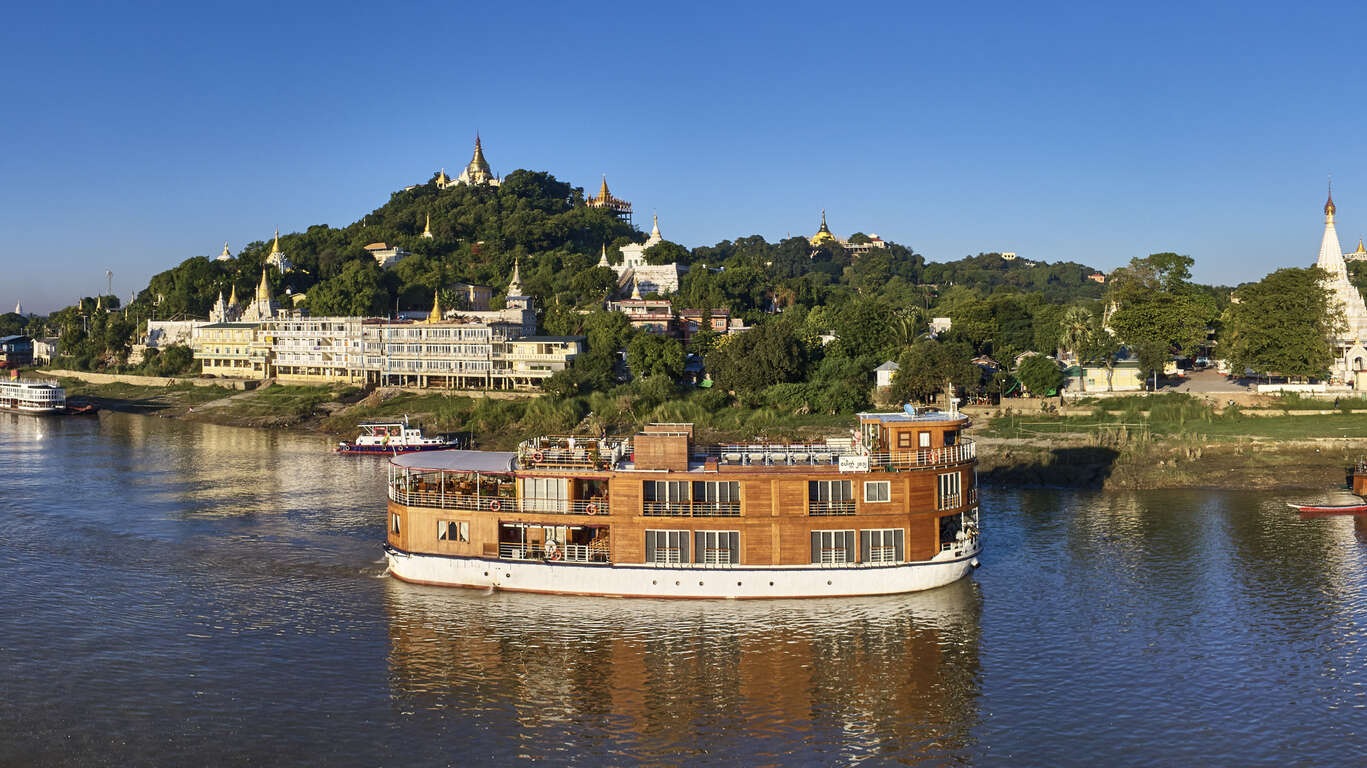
x=822, y=235
x=435, y=316
x=427, y=228
x=619, y=207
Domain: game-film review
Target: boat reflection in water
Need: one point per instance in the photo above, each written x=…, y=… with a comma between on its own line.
x=894, y=677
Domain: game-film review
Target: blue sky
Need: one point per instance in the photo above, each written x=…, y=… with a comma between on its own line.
x=138, y=135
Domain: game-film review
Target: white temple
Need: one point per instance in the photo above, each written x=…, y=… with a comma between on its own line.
x=644, y=278
x=227, y=255
x=1351, y=365
x=277, y=257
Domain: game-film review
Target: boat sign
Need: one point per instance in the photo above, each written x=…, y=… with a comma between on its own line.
x=854, y=463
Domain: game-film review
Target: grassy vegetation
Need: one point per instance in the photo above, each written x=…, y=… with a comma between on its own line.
x=137, y=397
x=277, y=405
x=1179, y=415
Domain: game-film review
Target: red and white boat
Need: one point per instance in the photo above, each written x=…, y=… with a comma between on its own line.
x=391, y=438
x=1324, y=510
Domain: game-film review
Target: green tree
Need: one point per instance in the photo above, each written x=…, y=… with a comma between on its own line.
x=1283, y=324
x=765, y=355
x=357, y=292
x=929, y=367
x=666, y=252
x=652, y=354
x=1157, y=312
x=1040, y=375
x=1074, y=333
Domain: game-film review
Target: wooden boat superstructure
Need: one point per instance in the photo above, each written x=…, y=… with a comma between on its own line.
x=891, y=507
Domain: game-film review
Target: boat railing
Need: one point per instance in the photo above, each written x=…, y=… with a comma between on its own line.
x=830, y=453
x=690, y=509
x=956, y=500
x=569, y=452
x=572, y=553
x=441, y=499
x=830, y=508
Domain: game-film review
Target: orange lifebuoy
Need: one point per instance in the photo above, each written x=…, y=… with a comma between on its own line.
x=538, y=456
x=592, y=508
x=495, y=505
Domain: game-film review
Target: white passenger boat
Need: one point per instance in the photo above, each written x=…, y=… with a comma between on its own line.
x=32, y=396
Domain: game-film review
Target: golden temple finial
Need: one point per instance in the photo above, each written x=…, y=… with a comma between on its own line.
x=603, y=190
x=1329, y=204
x=232, y=297
x=427, y=228
x=275, y=247
x=435, y=315
x=227, y=254
x=263, y=291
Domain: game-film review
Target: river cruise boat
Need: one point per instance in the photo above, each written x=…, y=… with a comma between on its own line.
x=392, y=438
x=891, y=507
x=32, y=396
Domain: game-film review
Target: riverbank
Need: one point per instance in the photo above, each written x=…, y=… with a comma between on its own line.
x=1114, y=449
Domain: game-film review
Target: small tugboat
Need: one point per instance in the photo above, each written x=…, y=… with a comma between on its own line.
x=392, y=438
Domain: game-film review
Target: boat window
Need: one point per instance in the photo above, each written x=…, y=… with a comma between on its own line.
x=877, y=490
x=394, y=524
x=829, y=490
x=667, y=547
x=545, y=494
x=715, y=547
x=904, y=439
x=950, y=490
x=832, y=546
x=924, y=438
x=882, y=545
x=716, y=494
x=453, y=530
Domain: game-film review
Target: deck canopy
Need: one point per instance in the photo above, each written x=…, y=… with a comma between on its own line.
x=458, y=461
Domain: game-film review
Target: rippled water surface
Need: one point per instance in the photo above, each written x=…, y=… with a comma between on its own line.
x=184, y=594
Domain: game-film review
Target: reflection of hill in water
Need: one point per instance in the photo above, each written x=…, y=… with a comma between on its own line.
x=857, y=677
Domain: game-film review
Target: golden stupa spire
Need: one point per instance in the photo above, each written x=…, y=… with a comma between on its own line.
x=427, y=228
x=603, y=194
x=441, y=178
x=435, y=315
x=232, y=298
x=275, y=247
x=227, y=254
x=263, y=291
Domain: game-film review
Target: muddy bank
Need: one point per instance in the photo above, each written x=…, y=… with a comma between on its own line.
x=1177, y=463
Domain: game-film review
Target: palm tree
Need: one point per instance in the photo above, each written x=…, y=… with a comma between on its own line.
x=1074, y=331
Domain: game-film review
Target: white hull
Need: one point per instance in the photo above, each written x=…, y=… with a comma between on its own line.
x=691, y=581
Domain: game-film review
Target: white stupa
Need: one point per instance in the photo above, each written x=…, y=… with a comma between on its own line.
x=1332, y=262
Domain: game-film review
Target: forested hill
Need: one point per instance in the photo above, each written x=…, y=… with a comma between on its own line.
x=478, y=233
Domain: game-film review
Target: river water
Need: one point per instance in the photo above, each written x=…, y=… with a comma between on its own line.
x=184, y=594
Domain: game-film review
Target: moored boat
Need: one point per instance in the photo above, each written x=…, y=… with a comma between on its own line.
x=29, y=396
x=392, y=438
x=1323, y=510
x=891, y=508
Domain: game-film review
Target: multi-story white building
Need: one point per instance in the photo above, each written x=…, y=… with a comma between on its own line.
x=489, y=349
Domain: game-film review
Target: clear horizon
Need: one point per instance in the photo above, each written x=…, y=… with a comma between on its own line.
x=151, y=135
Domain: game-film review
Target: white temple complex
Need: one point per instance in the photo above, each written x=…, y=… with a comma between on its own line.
x=643, y=277
x=1350, y=367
